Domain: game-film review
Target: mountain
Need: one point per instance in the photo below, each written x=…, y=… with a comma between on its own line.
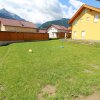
x=6, y=14
x=38, y=24
x=62, y=22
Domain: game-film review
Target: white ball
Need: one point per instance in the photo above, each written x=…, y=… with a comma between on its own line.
x=30, y=50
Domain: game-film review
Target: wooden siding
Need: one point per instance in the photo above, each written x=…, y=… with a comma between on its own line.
x=19, y=29
x=60, y=35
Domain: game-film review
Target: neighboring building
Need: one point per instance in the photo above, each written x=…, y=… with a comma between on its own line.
x=53, y=30
x=16, y=25
x=86, y=23
x=42, y=30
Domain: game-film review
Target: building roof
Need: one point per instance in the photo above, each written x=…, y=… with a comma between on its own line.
x=42, y=30
x=11, y=22
x=59, y=27
x=84, y=6
x=70, y=28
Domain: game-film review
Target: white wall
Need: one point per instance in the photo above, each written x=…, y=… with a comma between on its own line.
x=52, y=32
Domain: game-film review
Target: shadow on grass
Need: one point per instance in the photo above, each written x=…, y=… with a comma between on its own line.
x=6, y=43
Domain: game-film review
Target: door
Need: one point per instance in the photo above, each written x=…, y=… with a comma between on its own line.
x=55, y=35
x=75, y=34
x=50, y=35
x=83, y=34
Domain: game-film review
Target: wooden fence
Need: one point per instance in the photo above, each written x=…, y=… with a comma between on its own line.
x=22, y=36
x=61, y=35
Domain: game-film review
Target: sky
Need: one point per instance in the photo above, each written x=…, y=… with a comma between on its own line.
x=40, y=11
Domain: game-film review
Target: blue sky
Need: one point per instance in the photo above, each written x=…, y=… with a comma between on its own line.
x=89, y=2
x=40, y=11
x=92, y=2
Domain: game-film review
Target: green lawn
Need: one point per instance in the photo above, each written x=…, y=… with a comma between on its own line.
x=73, y=70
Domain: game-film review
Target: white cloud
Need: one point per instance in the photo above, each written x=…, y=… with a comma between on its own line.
x=67, y=11
x=1, y=6
x=75, y=3
x=40, y=11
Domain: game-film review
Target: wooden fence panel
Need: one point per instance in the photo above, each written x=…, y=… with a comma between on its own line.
x=40, y=36
x=13, y=36
x=46, y=36
x=60, y=35
x=26, y=37
x=5, y=37
x=16, y=36
x=20, y=36
x=35, y=37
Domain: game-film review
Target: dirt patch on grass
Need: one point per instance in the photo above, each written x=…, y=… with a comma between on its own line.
x=4, y=98
x=70, y=80
x=95, y=66
x=88, y=71
x=95, y=96
x=47, y=90
x=82, y=42
x=2, y=88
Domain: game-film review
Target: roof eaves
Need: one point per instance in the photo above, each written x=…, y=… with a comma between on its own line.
x=79, y=11
x=75, y=15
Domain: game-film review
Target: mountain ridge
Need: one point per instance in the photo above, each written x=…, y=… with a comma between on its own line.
x=62, y=22
x=6, y=14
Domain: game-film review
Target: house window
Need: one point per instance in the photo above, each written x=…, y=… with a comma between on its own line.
x=88, y=18
x=96, y=18
x=81, y=20
x=83, y=34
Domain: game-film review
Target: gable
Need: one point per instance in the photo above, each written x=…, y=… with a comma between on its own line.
x=86, y=16
x=52, y=28
x=82, y=9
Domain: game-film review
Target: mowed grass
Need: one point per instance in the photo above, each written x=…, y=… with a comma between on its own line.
x=73, y=70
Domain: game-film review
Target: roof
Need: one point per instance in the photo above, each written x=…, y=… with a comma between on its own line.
x=81, y=9
x=42, y=31
x=59, y=27
x=11, y=22
x=69, y=28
